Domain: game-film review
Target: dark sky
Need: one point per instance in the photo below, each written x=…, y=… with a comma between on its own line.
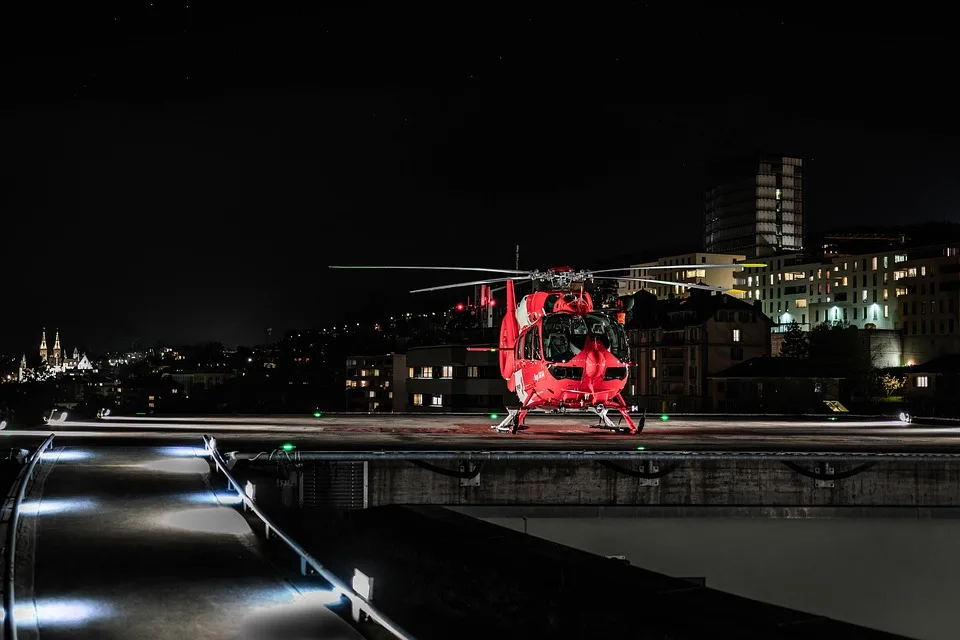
x=186, y=172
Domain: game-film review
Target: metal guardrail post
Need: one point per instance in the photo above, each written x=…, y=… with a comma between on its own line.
x=306, y=560
x=10, y=549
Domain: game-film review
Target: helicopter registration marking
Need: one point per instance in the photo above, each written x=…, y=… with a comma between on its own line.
x=518, y=382
x=539, y=376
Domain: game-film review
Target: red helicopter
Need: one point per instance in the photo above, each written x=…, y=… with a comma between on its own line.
x=557, y=352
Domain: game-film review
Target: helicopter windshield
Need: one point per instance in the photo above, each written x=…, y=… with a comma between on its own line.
x=564, y=335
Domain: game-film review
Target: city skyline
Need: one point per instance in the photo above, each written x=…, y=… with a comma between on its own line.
x=201, y=193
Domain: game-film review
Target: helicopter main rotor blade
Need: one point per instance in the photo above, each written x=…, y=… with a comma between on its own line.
x=688, y=285
x=511, y=271
x=684, y=267
x=460, y=284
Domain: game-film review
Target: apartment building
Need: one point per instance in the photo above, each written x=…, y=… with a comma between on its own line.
x=676, y=344
x=455, y=378
x=371, y=381
x=686, y=271
x=928, y=296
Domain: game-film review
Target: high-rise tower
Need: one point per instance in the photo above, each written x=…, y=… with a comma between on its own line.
x=755, y=207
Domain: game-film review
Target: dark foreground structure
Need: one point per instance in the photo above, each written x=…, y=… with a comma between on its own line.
x=444, y=575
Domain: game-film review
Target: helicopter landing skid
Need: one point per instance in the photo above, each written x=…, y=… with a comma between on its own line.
x=513, y=422
x=607, y=423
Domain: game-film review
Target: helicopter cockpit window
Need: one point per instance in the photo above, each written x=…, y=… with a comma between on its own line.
x=535, y=335
x=610, y=334
x=566, y=334
x=528, y=346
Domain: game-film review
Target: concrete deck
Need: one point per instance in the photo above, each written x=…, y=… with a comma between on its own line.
x=134, y=543
x=473, y=432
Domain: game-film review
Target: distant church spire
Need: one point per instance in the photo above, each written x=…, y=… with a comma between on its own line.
x=43, y=344
x=56, y=347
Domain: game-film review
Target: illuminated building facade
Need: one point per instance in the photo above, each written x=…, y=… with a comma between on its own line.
x=456, y=378
x=371, y=382
x=676, y=344
x=756, y=207
x=55, y=360
x=686, y=271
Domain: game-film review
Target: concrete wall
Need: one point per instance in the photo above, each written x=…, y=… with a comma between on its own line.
x=706, y=483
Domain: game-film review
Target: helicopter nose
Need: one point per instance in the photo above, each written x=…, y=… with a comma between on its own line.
x=595, y=365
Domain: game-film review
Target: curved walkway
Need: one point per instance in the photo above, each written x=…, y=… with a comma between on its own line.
x=135, y=543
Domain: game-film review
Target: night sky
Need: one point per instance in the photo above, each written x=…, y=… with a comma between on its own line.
x=185, y=172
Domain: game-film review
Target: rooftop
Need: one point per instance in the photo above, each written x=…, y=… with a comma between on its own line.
x=650, y=313
x=780, y=367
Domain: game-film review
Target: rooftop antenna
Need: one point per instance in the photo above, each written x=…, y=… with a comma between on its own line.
x=517, y=262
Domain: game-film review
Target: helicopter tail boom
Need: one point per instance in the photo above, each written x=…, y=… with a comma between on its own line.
x=509, y=331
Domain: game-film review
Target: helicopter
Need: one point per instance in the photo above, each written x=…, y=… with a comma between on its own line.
x=558, y=353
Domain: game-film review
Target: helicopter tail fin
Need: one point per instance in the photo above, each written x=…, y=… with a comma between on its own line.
x=509, y=330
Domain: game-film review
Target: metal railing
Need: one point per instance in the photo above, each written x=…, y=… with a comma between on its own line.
x=10, y=549
x=306, y=560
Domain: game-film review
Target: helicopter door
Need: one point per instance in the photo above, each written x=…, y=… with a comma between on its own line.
x=528, y=345
x=537, y=350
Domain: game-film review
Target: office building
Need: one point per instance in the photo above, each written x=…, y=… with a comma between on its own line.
x=755, y=207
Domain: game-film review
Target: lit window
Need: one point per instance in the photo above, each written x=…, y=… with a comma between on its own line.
x=410, y=373
x=736, y=335
x=472, y=372
x=653, y=372
x=886, y=311
x=418, y=399
x=653, y=355
x=447, y=371
x=922, y=381
x=426, y=372
x=437, y=401
x=373, y=394
x=873, y=263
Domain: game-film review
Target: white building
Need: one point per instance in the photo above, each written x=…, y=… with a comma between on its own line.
x=859, y=290
x=686, y=271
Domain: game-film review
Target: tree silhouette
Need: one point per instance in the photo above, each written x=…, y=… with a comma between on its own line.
x=795, y=343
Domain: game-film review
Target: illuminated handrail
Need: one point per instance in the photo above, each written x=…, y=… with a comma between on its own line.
x=10, y=550
x=306, y=560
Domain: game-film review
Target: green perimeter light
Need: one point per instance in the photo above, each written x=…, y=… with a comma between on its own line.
x=493, y=416
x=288, y=447
x=664, y=417
x=318, y=414
x=641, y=448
